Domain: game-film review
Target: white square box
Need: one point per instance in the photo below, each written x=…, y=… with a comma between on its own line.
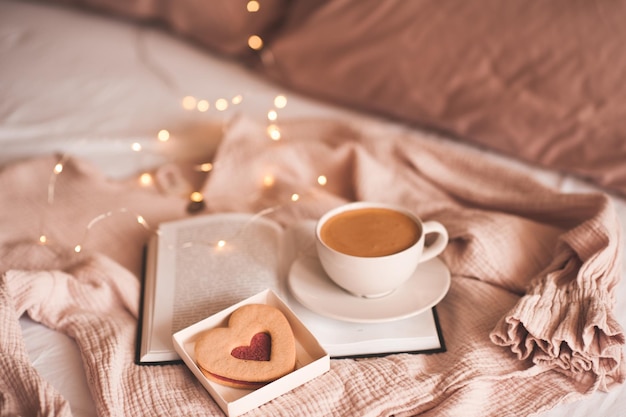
x=311, y=358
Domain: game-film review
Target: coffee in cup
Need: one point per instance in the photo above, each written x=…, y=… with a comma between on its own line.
x=370, y=249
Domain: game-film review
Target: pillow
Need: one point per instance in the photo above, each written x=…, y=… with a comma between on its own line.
x=221, y=25
x=137, y=9
x=544, y=81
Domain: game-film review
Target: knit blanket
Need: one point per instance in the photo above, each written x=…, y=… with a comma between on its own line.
x=528, y=320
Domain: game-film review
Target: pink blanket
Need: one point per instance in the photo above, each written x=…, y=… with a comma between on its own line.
x=528, y=320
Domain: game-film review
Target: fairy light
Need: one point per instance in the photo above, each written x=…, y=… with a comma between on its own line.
x=253, y=6
x=237, y=99
x=222, y=243
x=221, y=104
x=163, y=135
x=280, y=101
x=192, y=103
x=196, y=197
x=203, y=105
x=255, y=42
x=138, y=218
x=189, y=102
x=56, y=171
x=205, y=167
x=273, y=132
x=58, y=168
x=196, y=203
x=145, y=179
x=268, y=180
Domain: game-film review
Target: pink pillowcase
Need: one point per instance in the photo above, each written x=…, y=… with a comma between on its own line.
x=224, y=25
x=221, y=25
x=544, y=81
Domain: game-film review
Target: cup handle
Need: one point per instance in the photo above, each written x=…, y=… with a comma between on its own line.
x=439, y=244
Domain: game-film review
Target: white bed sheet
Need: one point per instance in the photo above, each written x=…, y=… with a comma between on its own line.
x=92, y=86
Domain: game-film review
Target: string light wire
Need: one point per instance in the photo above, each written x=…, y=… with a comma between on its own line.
x=188, y=102
x=138, y=218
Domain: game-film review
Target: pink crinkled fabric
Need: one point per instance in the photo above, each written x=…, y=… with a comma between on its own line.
x=528, y=320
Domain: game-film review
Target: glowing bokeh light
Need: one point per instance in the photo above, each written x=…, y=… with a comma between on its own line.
x=273, y=132
x=196, y=197
x=145, y=179
x=280, y=101
x=189, y=102
x=255, y=42
x=203, y=105
x=237, y=99
x=221, y=104
x=205, y=167
x=163, y=135
x=268, y=180
x=253, y=6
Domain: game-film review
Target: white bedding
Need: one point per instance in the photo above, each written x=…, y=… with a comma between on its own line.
x=92, y=86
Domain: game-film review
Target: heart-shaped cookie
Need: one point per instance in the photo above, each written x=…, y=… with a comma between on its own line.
x=214, y=348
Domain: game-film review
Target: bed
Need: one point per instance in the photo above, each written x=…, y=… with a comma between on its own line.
x=112, y=112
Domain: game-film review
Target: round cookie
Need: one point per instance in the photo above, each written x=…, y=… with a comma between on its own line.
x=257, y=347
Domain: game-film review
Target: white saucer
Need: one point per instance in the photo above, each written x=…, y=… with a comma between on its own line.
x=310, y=285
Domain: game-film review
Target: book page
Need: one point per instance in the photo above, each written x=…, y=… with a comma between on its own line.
x=220, y=262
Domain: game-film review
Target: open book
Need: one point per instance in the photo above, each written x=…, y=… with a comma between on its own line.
x=198, y=266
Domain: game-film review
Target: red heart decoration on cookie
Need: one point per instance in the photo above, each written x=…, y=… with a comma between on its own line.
x=214, y=349
x=259, y=350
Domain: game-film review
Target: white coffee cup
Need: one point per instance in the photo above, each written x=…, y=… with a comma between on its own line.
x=370, y=249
